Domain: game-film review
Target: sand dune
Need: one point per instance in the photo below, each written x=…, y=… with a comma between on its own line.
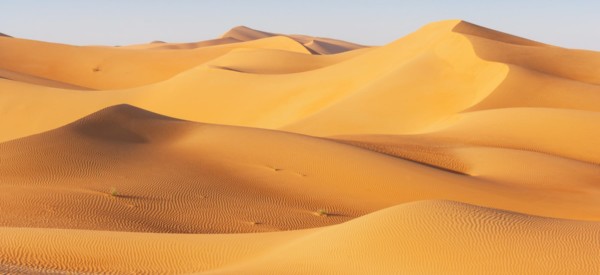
x=421, y=245
x=115, y=67
x=454, y=150
x=211, y=169
x=317, y=45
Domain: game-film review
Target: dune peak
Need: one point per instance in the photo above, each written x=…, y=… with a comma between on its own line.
x=124, y=123
x=125, y=110
x=245, y=33
x=468, y=28
x=242, y=28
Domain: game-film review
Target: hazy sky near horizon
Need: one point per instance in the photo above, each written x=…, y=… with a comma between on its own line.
x=572, y=24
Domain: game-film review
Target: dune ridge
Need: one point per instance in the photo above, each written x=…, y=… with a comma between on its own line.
x=456, y=149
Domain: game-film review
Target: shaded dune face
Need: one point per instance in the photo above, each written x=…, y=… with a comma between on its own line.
x=454, y=150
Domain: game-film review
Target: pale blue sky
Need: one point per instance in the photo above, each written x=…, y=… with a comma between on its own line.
x=573, y=24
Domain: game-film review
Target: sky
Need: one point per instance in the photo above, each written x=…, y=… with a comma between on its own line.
x=571, y=24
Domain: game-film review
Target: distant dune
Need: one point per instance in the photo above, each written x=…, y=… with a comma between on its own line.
x=454, y=150
x=316, y=45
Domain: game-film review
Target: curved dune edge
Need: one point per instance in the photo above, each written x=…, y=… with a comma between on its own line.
x=418, y=238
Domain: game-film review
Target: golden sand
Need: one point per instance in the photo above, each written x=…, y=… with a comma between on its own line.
x=454, y=150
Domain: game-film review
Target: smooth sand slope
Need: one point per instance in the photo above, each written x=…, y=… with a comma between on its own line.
x=454, y=150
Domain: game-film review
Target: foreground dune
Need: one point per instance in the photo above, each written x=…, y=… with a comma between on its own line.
x=416, y=238
x=454, y=150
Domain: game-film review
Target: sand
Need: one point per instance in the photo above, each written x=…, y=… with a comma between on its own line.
x=454, y=150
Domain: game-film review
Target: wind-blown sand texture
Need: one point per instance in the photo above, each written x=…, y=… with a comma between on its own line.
x=454, y=150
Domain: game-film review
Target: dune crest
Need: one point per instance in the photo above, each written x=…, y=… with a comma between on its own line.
x=456, y=149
